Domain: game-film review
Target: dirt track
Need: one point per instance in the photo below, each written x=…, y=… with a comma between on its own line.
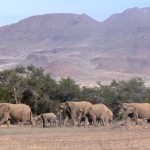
x=74, y=138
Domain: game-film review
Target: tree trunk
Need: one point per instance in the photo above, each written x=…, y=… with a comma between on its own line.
x=15, y=94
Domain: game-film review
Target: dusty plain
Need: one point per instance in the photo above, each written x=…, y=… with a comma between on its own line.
x=135, y=137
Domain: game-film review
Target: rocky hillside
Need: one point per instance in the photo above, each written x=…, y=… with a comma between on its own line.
x=81, y=47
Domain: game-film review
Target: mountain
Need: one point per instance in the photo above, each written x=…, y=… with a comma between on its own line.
x=78, y=46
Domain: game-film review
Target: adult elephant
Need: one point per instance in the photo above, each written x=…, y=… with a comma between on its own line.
x=137, y=110
x=80, y=109
x=66, y=110
x=18, y=112
x=102, y=113
x=109, y=117
x=47, y=117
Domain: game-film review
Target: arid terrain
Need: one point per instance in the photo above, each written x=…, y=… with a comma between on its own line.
x=74, y=138
x=80, y=47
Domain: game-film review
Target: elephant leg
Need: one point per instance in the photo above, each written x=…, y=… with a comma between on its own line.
x=55, y=123
x=86, y=121
x=79, y=121
x=73, y=120
x=25, y=117
x=65, y=121
x=93, y=119
x=98, y=121
x=106, y=121
x=22, y=122
x=85, y=112
x=80, y=116
x=60, y=119
x=127, y=120
x=73, y=115
x=136, y=118
x=4, y=119
x=8, y=123
x=103, y=121
x=51, y=123
x=111, y=122
x=33, y=122
x=44, y=123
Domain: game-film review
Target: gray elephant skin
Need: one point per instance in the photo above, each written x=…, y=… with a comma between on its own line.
x=18, y=112
x=137, y=110
x=47, y=118
x=109, y=117
x=102, y=113
x=64, y=109
x=82, y=109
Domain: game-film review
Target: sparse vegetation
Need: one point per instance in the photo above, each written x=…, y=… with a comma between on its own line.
x=30, y=85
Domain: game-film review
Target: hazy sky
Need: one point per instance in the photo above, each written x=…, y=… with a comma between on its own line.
x=12, y=11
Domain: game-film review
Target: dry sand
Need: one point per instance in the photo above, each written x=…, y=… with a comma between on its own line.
x=75, y=138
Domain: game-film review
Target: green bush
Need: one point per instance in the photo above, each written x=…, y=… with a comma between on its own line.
x=30, y=85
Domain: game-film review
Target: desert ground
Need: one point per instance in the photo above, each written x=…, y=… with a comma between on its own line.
x=116, y=137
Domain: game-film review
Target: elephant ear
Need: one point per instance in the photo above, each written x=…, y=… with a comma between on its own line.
x=4, y=109
x=125, y=105
x=67, y=104
x=131, y=109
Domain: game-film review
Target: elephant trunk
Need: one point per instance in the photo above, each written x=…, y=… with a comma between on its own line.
x=60, y=117
x=61, y=111
x=79, y=119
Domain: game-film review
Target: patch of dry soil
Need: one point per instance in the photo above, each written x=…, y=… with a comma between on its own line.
x=75, y=138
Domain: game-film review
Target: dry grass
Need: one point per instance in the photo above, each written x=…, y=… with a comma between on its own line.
x=74, y=138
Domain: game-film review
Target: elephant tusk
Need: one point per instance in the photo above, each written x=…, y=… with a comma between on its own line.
x=59, y=113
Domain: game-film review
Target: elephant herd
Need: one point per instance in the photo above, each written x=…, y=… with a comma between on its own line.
x=75, y=113
x=97, y=113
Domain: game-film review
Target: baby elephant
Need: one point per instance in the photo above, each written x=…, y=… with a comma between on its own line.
x=47, y=117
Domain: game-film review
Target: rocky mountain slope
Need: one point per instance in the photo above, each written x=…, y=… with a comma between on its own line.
x=81, y=47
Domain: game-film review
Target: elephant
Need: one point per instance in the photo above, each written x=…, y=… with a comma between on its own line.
x=87, y=120
x=64, y=108
x=47, y=117
x=18, y=112
x=109, y=117
x=102, y=113
x=137, y=110
x=80, y=109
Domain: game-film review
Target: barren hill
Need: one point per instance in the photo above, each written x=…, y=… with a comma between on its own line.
x=80, y=47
